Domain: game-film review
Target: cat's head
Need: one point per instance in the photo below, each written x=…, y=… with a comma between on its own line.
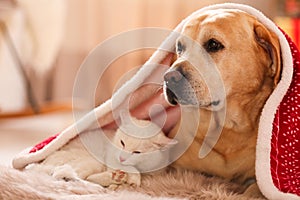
x=134, y=149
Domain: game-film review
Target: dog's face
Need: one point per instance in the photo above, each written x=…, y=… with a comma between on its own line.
x=221, y=54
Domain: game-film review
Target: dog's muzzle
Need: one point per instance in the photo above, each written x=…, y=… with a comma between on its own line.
x=178, y=89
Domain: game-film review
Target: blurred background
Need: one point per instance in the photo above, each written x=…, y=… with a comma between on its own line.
x=44, y=42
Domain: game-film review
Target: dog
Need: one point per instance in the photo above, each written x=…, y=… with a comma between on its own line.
x=226, y=62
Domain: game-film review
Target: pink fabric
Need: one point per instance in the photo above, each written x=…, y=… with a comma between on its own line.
x=285, y=149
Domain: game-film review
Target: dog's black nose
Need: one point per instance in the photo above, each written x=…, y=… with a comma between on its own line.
x=173, y=77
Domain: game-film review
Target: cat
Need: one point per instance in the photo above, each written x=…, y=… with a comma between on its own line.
x=137, y=146
x=142, y=147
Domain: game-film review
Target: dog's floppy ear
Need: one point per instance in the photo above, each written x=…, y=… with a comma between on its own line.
x=269, y=41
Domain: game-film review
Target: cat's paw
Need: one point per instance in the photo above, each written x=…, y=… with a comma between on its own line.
x=103, y=179
x=113, y=187
x=64, y=172
x=108, y=178
x=119, y=176
x=134, y=179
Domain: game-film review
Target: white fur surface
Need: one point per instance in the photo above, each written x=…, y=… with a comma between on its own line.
x=174, y=185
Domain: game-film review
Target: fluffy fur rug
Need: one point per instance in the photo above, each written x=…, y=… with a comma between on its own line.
x=172, y=185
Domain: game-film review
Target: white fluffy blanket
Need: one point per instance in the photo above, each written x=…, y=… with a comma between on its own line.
x=171, y=185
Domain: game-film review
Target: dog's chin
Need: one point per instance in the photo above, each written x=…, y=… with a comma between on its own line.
x=173, y=100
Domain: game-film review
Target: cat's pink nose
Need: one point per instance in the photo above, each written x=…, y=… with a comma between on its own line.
x=121, y=159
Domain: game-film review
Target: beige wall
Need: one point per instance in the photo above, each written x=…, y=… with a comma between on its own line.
x=89, y=22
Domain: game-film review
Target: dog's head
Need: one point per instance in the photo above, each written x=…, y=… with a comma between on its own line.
x=222, y=54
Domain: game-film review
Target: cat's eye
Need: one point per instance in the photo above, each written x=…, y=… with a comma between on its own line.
x=136, y=152
x=122, y=143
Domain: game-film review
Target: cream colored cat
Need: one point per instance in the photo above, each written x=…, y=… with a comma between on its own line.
x=146, y=149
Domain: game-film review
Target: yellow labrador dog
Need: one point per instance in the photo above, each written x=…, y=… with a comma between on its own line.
x=227, y=62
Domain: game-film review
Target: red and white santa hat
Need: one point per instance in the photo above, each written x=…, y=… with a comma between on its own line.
x=278, y=143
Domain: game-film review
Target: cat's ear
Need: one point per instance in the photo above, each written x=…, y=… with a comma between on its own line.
x=164, y=143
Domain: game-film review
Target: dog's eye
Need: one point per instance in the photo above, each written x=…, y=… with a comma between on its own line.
x=213, y=45
x=179, y=48
x=136, y=152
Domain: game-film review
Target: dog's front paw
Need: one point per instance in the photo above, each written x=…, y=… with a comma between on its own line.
x=253, y=191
